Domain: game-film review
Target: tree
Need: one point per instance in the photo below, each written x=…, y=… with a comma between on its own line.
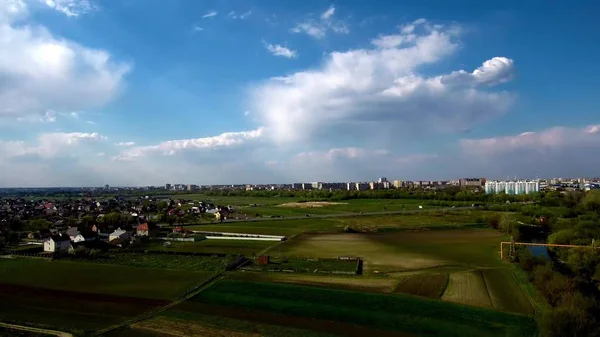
x=507, y=223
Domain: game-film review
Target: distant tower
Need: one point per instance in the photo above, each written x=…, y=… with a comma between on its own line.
x=106, y=187
x=168, y=187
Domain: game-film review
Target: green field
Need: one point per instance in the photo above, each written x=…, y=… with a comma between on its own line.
x=387, y=223
x=399, y=252
x=286, y=207
x=99, y=278
x=166, y=261
x=430, y=285
x=409, y=314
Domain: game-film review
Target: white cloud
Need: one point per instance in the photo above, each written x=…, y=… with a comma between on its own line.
x=319, y=28
x=74, y=114
x=197, y=28
x=70, y=7
x=43, y=72
x=279, y=50
x=246, y=113
x=310, y=28
x=48, y=145
x=101, y=154
x=241, y=16
x=209, y=14
x=171, y=147
x=90, y=122
x=328, y=13
x=125, y=144
x=378, y=93
x=556, y=151
x=556, y=138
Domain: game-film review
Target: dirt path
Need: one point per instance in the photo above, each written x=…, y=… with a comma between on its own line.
x=28, y=328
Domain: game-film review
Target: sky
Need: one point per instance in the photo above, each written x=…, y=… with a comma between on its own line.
x=148, y=92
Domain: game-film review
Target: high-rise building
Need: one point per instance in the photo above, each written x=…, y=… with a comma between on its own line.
x=106, y=187
x=168, y=187
x=512, y=187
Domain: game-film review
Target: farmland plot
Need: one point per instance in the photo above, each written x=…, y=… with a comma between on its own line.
x=410, y=314
x=467, y=288
x=505, y=293
x=426, y=285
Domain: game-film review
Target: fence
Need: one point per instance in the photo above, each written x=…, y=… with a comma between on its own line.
x=44, y=256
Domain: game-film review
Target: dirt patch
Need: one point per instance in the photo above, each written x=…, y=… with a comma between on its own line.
x=311, y=204
x=361, y=283
x=175, y=327
x=257, y=316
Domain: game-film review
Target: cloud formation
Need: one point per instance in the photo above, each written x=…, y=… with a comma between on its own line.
x=171, y=147
x=279, y=50
x=48, y=145
x=44, y=73
x=319, y=28
x=209, y=14
x=71, y=8
x=360, y=91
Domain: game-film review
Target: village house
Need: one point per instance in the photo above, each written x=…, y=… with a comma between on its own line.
x=57, y=243
x=143, y=230
x=84, y=238
x=73, y=232
x=119, y=234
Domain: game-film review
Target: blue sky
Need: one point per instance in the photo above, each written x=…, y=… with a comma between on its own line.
x=146, y=92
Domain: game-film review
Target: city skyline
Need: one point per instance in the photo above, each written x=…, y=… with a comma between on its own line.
x=256, y=92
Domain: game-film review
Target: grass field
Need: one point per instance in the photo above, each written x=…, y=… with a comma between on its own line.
x=414, y=315
x=493, y=288
x=401, y=251
x=430, y=285
x=387, y=223
x=164, y=261
x=233, y=247
x=99, y=278
x=505, y=293
x=284, y=206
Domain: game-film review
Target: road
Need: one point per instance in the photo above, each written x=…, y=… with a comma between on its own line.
x=30, y=329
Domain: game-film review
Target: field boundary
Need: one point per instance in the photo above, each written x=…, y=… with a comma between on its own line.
x=38, y=330
x=201, y=287
x=533, y=304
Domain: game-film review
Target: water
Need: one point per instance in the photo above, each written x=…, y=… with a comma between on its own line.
x=539, y=251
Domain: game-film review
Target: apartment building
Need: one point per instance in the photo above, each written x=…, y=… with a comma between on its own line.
x=512, y=187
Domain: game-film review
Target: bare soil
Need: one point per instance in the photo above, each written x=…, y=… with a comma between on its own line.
x=180, y=328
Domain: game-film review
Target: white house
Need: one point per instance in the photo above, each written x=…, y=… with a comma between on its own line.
x=81, y=238
x=57, y=243
x=119, y=234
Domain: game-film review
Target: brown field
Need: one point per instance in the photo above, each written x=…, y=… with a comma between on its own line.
x=257, y=316
x=68, y=309
x=179, y=328
x=467, y=288
x=310, y=204
x=426, y=285
x=362, y=283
